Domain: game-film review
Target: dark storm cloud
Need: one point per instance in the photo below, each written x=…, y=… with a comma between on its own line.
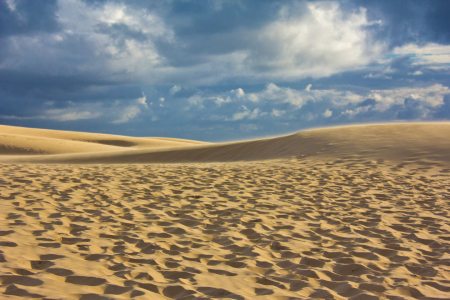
x=27, y=16
x=64, y=88
x=208, y=28
x=414, y=21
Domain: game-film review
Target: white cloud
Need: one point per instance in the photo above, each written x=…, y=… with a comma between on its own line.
x=236, y=95
x=11, y=4
x=253, y=97
x=238, y=92
x=221, y=100
x=130, y=112
x=174, y=89
x=278, y=113
x=328, y=113
x=117, y=113
x=432, y=95
x=308, y=87
x=196, y=100
x=143, y=100
x=439, y=68
x=427, y=54
x=316, y=40
x=248, y=127
x=309, y=116
x=59, y=115
x=276, y=95
x=330, y=102
x=71, y=113
x=378, y=76
x=298, y=98
x=245, y=114
x=356, y=111
x=67, y=115
x=287, y=95
x=127, y=114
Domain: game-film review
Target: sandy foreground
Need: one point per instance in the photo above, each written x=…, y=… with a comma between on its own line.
x=358, y=212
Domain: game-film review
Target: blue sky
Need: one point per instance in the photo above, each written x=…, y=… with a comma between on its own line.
x=219, y=70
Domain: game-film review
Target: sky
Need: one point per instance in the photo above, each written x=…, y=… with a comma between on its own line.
x=222, y=70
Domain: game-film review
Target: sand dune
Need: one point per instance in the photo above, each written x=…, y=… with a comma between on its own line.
x=396, y=142
x=21, y=140
x=357, y=212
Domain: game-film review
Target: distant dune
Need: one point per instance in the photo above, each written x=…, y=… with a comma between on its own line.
x=397, y=142
x=21, y=140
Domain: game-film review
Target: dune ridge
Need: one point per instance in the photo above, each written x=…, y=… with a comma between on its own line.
x=358, y=212
x=397, y=142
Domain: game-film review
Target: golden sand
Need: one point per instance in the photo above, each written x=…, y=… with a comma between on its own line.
x=358, y=212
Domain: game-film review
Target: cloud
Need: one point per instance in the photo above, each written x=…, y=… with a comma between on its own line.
x=443, y=111
x=328, y=113
x=358, y=110
x=282, y=103
x=142, y=101
x=238, y=92
x=127, y=114
x=68, y=115
x=427, y=54
x=278, y=113
x=114, y=41
x=118, y=112
x=129, y=42
x=24, y=17
x=313, y=39
x=285, y=95
x=432, y=95
x=298, y=98
x=248, y=127
x=61, y=115
x=175, y=89
x=378, y=76
x=367, y=102
x=417, y=22
x=246, y=113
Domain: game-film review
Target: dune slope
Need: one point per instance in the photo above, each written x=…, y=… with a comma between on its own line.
x=399, y=142
x=21, y=140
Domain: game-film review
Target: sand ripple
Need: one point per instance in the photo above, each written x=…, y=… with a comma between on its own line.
x=297, y=229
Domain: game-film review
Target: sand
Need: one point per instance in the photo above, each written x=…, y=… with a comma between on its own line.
x=358, y=212
x=28, y=141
